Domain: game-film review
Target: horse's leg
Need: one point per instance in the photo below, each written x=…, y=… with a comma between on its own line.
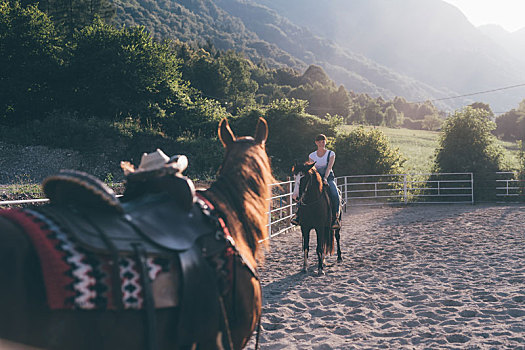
x=338, y=237
x=320, y=250
x=306, y=246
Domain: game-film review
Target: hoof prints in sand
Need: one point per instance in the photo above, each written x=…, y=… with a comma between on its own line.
x=437, y=277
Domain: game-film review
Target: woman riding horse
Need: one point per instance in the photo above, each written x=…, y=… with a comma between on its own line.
x=324, y=160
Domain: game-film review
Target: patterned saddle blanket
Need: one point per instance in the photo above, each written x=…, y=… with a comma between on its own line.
x=76, y=278
x=87, y=243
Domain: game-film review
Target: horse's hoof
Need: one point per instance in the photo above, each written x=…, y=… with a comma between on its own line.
x=320, y=273
x=339, y=259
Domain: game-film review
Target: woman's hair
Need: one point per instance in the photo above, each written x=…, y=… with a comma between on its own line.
x=320, y=137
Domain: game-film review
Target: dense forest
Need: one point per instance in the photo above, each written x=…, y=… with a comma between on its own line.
x=71, y=79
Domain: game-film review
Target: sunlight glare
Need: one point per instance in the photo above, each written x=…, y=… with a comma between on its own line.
x=507, y=13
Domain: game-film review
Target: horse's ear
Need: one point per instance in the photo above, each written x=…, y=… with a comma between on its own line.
x=225, y=133
x=261, y=131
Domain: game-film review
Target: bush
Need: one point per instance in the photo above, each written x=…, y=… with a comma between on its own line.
x=291, y=132
x=204, y=154
x=413, y=124
x=467, y=145
x=30, y=59
x=364, y=152
x=521, y=171
x=121, y=72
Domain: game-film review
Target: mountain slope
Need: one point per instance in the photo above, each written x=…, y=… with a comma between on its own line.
x=429, y=40
x=260, y=32
x=513, y=43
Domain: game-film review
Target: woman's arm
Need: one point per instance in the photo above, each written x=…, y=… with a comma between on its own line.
x=329, y=167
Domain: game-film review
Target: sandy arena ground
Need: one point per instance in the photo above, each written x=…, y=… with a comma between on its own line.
x=416, y=277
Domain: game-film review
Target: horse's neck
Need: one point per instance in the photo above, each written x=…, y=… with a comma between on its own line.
x=314, y=192
x=226, y=193
x=227, y=198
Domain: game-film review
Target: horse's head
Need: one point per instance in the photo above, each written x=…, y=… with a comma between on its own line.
x=241, y=195
x=244, y=182
x=238, y=149
x=303, y=174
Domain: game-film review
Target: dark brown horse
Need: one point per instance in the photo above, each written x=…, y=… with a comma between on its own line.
x=314, y=213
x=239, y=197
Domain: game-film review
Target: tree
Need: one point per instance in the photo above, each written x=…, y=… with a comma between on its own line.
x=315, y=74
x=287, y=76
x=431, y=122
x=425, y=109
x=30, y=59
x=121, y=72
x=467, y=145
x=373, y=114
x=71, y=15
x=483, y=106
x=208, y=75
x=392, y=117
x=364, y=152
x=241, y=90
x=291, y=131
x=341, y=102
x=511, y=125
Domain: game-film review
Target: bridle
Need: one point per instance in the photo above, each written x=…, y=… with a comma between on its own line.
x=301, y=200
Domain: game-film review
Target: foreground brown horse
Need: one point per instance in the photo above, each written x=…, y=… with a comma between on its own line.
x=240, y=195
x=314, y=213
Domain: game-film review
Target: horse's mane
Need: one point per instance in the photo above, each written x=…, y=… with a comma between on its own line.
x=316, y=176
x=241, y=192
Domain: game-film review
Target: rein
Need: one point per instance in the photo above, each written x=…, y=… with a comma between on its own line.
x=301, y=199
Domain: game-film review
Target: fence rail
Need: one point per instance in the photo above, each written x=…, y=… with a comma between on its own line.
x=405, y=188
x=362, y=190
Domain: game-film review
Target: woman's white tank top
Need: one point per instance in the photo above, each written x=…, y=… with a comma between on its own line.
x=321, y=162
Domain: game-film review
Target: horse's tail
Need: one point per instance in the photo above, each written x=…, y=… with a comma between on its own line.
x=329, y=233
x=329, y=240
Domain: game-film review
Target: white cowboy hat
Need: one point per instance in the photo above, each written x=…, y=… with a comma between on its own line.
x=155, y=161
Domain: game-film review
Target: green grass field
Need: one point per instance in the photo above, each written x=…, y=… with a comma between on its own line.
x=418, y=147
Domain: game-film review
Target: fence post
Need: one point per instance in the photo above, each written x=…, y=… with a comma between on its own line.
x=270, y=218
x=346, y=192
x=472, y=187
x=290, y=192
x=405, y=194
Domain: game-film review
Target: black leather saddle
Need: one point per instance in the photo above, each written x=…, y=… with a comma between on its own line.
x=158, y=213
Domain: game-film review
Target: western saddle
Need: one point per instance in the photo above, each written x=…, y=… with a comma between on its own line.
x=159, y=214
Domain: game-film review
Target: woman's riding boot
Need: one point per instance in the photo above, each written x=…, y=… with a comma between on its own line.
x=295, y=220
x=336, y=224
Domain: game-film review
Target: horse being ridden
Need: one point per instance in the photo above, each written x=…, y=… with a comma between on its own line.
x=314, y=212
x=239, y=197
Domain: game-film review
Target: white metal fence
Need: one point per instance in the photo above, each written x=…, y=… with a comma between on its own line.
x=407, y=188
x=377, y=190
x=360, y=190
x=280, y=208
x=508, y=185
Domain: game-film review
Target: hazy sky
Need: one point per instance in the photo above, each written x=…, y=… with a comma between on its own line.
x=510, y=14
